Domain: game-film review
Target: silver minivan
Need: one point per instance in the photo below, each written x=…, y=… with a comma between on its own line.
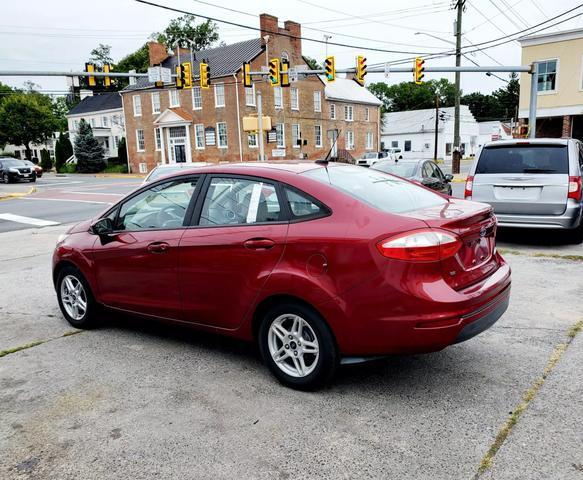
x=530, y=182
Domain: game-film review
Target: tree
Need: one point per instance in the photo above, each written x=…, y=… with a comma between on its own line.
x=45, y=160
x=500, y=105
x=138, y=61
x=409, y=96
x=312, y=63
x=26, y=118
x=88, y=150
x=507, y=97
x=101, y=55
x=60, y=108
x=122, y=153
x=181, y=29
x=5, y=91
x=63, y=151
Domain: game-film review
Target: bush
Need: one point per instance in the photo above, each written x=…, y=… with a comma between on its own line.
x=68, y=168
x=122, y=153
x=63, y=150
x=45, y=160
x=116, y=169
x=89, y=152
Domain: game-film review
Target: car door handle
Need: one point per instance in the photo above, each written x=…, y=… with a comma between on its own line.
x=158, y=247
x=259, y=243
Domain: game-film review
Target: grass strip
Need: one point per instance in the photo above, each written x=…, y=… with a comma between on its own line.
x=26, y=346
x=575, y=258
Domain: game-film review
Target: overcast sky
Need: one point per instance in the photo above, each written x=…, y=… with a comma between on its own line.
x=59, y=34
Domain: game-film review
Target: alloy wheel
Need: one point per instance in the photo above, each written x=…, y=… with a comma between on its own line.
x=293, y=345
x=73, y=297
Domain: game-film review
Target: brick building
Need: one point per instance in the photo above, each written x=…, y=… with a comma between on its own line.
x=171, y=125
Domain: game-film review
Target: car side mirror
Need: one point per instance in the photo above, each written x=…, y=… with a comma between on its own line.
x=103, y=226
x=448, y=177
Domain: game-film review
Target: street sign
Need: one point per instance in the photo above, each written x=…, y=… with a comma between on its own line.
x=293, y=74
x=272, y=136
x=159, y=74
x=278, y=152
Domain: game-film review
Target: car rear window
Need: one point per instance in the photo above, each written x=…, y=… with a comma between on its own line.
x=378, y=189
x=406, y=170
x=528, y=158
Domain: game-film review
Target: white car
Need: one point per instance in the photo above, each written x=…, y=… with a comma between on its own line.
x=168, y=168
x=370, y=158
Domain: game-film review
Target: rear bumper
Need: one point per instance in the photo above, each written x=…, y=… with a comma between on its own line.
x=570, y=218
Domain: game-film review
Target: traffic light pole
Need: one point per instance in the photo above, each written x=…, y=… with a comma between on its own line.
x=436, y=127
x=260, y=125
x=457, y=154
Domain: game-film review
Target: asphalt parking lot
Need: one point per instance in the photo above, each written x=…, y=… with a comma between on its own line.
x=136, y=399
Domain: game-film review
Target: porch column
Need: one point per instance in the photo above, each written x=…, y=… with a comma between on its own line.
x=162, y=145
x=188, y=147
x=566, y=131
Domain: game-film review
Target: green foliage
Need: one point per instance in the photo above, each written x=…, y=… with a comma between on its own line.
x=181, y=29
x=101, y=55
x=312, y=63
x=89, y=152
x=116, y=169
x=122, y=153
x=500, y=105
x=68, y=168
x=5, y=91
x=138, y=61
x=63, y=150
x=409, y=96
x=45, y=160
x=26, y=118
x=60, y=108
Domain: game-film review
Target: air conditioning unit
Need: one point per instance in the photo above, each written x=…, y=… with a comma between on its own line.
x=143, y=168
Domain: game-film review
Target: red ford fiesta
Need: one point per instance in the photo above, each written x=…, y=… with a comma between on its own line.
x=318, y=263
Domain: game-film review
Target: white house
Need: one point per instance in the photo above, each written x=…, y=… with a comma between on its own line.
x=492, y=131
x=413, y=131
x=105, y=115
x=19, y=151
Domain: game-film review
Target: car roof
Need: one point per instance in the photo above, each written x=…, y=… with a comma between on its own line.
x=526, y=141
x=406, y=160
x=255, y=168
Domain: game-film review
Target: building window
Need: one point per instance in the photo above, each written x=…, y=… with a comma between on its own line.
x=199, y=136
x=222, y=133
x=155, y=102
x=348, y=113
x=104, y=122
x=250, y=96
x=196, y=98
x=137, y=106
x=547, y=76
x=349, y=140
x=158, y=137
x=174, y=98
x=367, y=114
x=332, y=111
x=277, y=97
x=220, y=95
x=92, y=123
x=116, y=142
x=369, y=140
x=407, y=145
x=296, y=135
x=295, y=98
x=448, y=148
x=395, y=144
x=318, y=136
x=317, y=102
x=76, y=125
x=252, y=140
x=140, y=140
x=280, y=135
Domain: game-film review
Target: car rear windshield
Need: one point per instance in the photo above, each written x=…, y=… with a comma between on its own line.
x=162, y=172
x=528, y=158
x=406, y=170
x=13, y=163
x=382, y=191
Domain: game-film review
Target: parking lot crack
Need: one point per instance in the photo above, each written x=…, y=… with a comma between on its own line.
x=527, y=398
x=26, y=346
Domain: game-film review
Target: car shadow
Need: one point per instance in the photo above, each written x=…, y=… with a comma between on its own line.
x=534, y=237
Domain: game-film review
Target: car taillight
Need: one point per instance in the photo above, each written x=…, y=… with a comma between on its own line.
x=574, y=188
x=469, y=187
x=425, y=245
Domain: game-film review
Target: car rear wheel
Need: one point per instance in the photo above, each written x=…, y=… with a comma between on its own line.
x=298, y=347
x=5, y=178
x=75, y=299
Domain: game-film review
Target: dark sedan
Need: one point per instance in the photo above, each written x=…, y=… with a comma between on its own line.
x=13, y=170
x=424, y=172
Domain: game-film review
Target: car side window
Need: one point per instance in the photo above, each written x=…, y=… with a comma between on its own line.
x=240, y=201
x=162, y=206
x=437, y=173
x=302, y=205
x=427, y=170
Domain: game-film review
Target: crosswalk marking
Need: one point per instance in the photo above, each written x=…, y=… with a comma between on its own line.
x=37, y=222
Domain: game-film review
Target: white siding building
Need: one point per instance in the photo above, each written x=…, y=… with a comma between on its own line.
x=413, y=132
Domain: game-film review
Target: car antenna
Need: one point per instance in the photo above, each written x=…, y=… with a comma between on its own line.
x=329, y=154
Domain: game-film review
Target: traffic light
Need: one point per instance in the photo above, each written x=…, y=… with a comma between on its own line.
x=106, y=80
x=284, y=76
x=247, y=75
x=179, y=76
x=360, y=70
x=89, y=68
x=187, y=75
x=419, y=69
x=274, y=72
x=330, y=67
x=205, y=75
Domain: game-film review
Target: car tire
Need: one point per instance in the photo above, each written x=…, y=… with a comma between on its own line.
x=72, y=286
x=32, y=180
x=303, y=344
x=577, y=234
x=6, y=178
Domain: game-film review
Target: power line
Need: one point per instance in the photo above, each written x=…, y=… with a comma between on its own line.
x=505, y=14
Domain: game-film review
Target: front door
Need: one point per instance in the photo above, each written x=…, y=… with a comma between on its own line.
x=137, y=266
x=177, y=145
x=228, y=257
x=180, y=153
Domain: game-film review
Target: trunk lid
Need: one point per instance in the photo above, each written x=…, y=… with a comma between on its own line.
x=475, y=224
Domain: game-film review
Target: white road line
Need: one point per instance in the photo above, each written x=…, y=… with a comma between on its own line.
x=63, y=200
x=27, y=220
x=94, y=193
x=57, y=183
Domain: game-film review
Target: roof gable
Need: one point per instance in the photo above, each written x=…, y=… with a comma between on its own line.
x=172, y=116
x=97, y=103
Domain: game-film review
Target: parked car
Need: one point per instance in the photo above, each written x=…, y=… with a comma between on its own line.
x=318, y=263
x=394, y=153
x=13, y=170
x=37, y=168
x=169, y=168
x=531, y=183
x=370, y=158
x=424, y=172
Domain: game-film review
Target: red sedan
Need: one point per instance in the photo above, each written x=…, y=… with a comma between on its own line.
x=320, y=264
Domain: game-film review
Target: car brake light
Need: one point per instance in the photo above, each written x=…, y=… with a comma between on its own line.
x=469, y=187
x=426, y=245
x=574, y=188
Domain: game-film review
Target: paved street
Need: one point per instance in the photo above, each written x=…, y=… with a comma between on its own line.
x=136, y=399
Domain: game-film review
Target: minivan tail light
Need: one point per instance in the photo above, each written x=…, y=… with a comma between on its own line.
x=575, y=188
x=425, y=245
x=469, y=187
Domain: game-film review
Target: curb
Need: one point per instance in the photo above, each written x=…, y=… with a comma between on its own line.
x=460, y=179
x=8, y=196
x=119, y=175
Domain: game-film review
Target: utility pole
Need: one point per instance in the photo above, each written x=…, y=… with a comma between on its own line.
x=436, y=127
x=456, y=155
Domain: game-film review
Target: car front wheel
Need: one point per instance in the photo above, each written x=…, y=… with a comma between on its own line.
x=75, y=299
x=298, y=347
x=5, y=178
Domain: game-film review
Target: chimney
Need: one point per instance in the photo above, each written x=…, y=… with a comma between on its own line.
x=295, y=30
x=157, y=53
x=83, y=94
x=268, y=25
